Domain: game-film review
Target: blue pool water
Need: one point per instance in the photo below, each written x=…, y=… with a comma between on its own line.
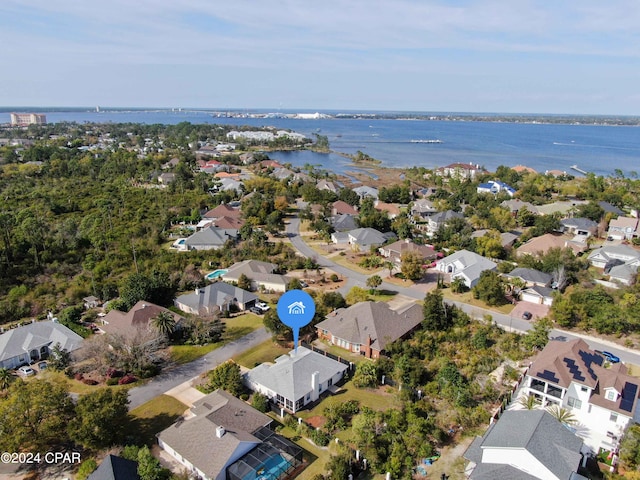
x=215, y=274
x=272, y=468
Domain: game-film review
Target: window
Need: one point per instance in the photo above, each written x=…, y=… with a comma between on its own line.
x=574, y=403
x=613, y=417
x=584, y=389
x=611, y=395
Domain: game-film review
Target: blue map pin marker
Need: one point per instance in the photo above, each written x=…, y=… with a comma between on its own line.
x=296, y=309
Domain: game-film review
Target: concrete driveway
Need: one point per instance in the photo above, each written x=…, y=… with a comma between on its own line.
x=537, y=310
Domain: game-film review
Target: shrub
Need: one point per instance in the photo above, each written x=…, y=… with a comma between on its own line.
x=127, y=379
x=111, y=381
x=89, y=381
x=114, y=373
x=86, y=468
x=78, y=376
x=334, y=278
x=319, y=437
x=260, y=402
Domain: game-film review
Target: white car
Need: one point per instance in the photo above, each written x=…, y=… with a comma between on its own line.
x=262, y=306
x=26, y=371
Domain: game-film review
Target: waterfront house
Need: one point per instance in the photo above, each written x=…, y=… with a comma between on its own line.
x=463, y=171
x=495, y=187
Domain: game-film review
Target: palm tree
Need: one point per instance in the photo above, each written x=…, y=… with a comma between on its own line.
x=165, y=323
x=5, y=378
x=562, y=415
x=390, y=266
x=529, y=402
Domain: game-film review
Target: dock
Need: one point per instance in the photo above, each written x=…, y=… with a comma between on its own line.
x=579, y=170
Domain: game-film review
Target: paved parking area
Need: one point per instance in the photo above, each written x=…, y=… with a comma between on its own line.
x=185, y=393
x=537, y=310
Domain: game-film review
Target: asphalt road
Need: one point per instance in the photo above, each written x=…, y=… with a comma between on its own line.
x=173, y=377
x=506, y=321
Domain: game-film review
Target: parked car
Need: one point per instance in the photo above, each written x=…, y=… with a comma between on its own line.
x=262, y=306
x=611, y=357
x=527, y=315
x=303, y=284
x=256, y=310
x=42, y=365
x=26, y=370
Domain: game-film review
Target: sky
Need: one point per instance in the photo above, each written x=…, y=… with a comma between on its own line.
x=524, y=56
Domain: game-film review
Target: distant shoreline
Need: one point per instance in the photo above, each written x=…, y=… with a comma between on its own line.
x=302, y=114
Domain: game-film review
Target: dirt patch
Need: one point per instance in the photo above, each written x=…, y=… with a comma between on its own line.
x=450, y=462
x=316, y=421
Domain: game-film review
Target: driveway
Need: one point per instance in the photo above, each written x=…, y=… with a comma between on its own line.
x=173, y=377
x=536, y=309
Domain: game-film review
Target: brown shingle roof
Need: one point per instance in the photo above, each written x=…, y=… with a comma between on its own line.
x=137, y=318
x=222, y=210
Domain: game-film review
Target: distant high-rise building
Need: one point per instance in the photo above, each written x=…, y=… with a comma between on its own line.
x=24, y=119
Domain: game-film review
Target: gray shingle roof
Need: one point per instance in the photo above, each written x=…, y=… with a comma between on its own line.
x=35, y=335
x=530, y=275
x=344, y=222
x=211, y=237
x=367, y=236
x=116, y=468
x=540, y=434
x=196, y=441
x=233, y=414
x=291, y=375
x=372, y=319
x=579, y=222
x=215, y=295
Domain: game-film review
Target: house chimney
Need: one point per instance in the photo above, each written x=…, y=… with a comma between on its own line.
x=220, y=431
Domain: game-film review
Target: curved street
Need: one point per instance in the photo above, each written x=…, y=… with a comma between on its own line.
x=506, y=321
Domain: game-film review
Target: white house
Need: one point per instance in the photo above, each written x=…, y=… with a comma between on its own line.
x=525, y=444
x=35, y=341
x=495, y=187
x=620, y=262
x=296, y=379
x=538, y=295
x=466, y=265
x=602, y=400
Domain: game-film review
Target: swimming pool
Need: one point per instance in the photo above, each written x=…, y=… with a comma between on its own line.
x=216, y=273
x=272, y=469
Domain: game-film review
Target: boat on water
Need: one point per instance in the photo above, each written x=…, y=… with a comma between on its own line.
x=435, y=140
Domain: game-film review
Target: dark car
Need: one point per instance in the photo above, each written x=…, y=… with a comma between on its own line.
x=256, y=310
x=611, y=357
x=527, y=315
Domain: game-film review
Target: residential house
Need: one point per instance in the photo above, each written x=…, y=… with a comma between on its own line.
x=392, y=210
x=327, y=185
x=623, y=228
x=115, y=468
x=465, y=265
x=602, y=400
x=507, y=239
x=441, y=219
x=423, y=208
x=364, y=191
x=35, y=341
x=525, y=445
x=217, y=297
x=261, y=275
x=222, y=210
x=530, y=277
x=496, y=186
x=296, y=379
x=224, y=438
x=540, y=245
x=515, y=205
x=341, y=207
x=91, y=302
x=344, y=222
x=365, y=238
x=166, y=178
x=578, y=226
x=608, y=208
x=210, y=238
x=538, y=295
x=228, y=223
x=461, y=171
x=620, y=262
x=136, y=321
x=523, y=169
x=368, y=327
x=395, y=251
x=173, y=163
x=230, y=184
x=564, y=208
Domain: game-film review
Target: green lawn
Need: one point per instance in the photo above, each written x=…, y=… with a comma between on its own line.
x=76, y=386
x=265, y=352
x=375, y=399
x=237, y=327
x=467, y=297
x=154, y=416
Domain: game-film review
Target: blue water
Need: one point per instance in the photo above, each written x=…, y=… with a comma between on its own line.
x=594, y=148
x=271, y=469
x=215, y=274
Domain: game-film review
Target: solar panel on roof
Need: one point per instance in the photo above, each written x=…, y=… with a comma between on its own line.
x=549, y=375
x=589, y=359
x=628, y=396
x=574, y=370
